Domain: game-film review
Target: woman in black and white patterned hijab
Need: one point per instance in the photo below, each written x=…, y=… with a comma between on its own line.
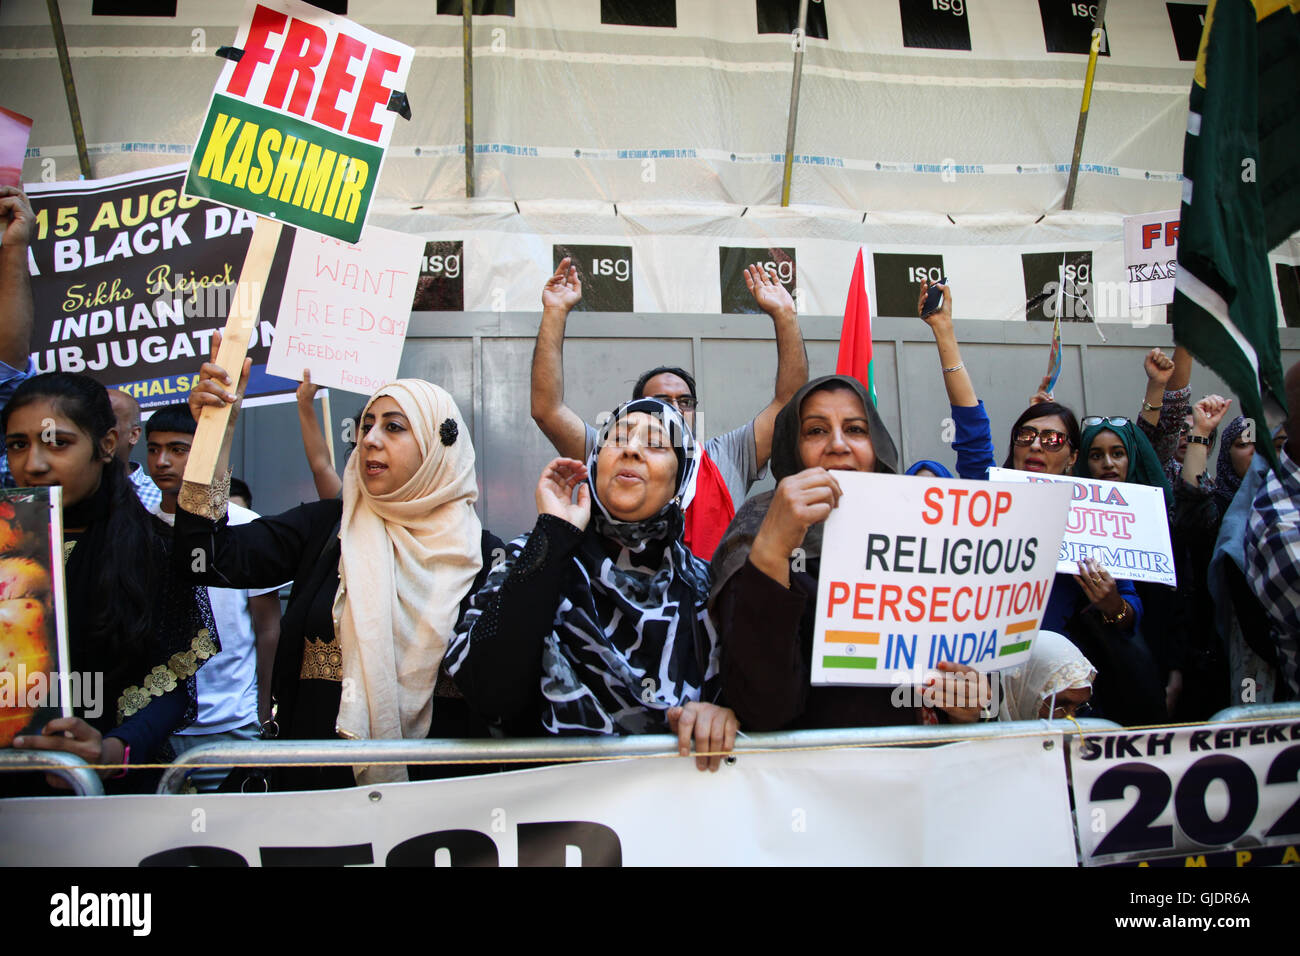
x=597, y=620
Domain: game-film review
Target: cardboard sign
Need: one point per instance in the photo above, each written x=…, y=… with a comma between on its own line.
x=297, y=127
x=15, y=130
x=130, y=279
x=916, y=572
x=1217, y=795
x=36, y=682
x=1123, y=526
x=1151, y=257
x=345, y=309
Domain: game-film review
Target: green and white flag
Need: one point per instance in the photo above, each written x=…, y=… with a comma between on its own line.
x=1241, y=196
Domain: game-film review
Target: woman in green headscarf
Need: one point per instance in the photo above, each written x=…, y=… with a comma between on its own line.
x=1114, y=450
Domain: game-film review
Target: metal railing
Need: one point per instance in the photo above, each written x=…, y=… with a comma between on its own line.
x=271, y=753
x=84, y=781
x=1280, y=711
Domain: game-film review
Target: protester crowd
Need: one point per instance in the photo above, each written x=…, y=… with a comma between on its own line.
x=653, y=594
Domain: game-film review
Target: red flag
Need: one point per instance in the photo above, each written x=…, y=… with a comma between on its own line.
x=855, y=334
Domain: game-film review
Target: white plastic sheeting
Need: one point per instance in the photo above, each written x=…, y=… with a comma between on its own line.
x=669, y=139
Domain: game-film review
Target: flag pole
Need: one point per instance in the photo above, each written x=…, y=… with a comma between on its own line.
x=1097, y=28
x=800, y=41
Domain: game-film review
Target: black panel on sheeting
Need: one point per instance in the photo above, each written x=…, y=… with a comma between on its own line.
x=935, y=24
x=331, y=6
x=782, y=16
x=482, y=8
x=605, y=273
x=1045, y=273
x=732, y=260
x=898, y=280
x=1067, y=26
x=639, y=13
x=133, y=8
x=1187, y=21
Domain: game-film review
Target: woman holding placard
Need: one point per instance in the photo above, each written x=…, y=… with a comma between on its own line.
x=766, y=571
x=129, y=618
x=1094, y=610
x=380, y=575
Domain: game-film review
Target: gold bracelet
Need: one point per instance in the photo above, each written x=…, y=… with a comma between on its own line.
x=1123, y=613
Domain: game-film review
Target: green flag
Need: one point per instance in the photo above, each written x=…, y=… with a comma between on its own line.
x=1241, y=196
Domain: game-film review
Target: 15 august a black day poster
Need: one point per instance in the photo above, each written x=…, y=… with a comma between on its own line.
x=131, y=278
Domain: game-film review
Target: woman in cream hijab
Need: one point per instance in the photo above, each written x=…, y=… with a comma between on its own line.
x=379, y=576
x=1055, y=682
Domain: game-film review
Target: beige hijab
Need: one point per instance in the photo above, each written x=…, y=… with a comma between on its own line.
x=408, y=558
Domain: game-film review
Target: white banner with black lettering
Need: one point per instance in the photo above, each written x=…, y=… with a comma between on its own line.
x=980, y=802
x=1217, y=795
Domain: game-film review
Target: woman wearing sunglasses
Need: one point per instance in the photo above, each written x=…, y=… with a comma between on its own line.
x=1099, y=614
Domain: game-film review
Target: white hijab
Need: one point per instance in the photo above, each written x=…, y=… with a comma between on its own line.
x=408, y=558
x=1054, y=665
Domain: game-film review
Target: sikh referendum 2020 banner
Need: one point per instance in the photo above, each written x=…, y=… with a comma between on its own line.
x=131, y=278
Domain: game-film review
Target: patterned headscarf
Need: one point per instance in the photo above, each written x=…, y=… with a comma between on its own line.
x=1226, y=480
x=631, y=635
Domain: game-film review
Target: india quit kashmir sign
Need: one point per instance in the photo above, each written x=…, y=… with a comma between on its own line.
x=1123, y=526
x=298, y=124
x=915, y=572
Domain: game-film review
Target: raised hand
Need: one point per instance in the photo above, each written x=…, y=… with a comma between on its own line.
x=1042, y=395
x=940, y=317
x=768, y=291
x=1208, y=412
x=306, y=390
x=16, y=217
x=1159, y=367
x=555, y=492
x=564, y=289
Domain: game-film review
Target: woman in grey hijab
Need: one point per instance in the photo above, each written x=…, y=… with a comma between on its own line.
x=766, y=568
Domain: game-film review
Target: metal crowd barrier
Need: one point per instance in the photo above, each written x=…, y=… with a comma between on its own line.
x=84, y=781
x=355, y=752
x=1243, y=712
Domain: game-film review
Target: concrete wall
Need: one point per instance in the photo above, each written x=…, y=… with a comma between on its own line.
x=483, y=360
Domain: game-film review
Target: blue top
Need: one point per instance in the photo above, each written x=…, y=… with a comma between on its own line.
x=1067, y=599
x=973, y=443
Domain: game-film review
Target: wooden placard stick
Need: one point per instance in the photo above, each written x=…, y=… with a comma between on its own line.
x=329, y=426
x=211, y=431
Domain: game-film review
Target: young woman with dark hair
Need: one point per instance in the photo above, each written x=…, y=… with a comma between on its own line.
x=1099, y=614
x=128, y=618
